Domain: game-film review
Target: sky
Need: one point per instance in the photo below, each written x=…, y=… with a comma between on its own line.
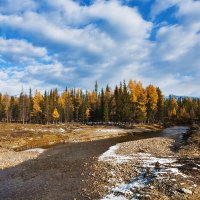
x=46, y=44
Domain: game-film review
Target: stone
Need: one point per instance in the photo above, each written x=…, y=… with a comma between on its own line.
x=157, y=165
x=186, y=191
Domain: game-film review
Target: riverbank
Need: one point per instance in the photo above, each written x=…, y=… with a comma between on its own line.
x=39, y=173
x=154, y=168
x=122, y=164
x=20, y=137
x=15, y=139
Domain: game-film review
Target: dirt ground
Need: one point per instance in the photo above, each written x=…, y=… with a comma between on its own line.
x=61, y=171
x=69, y=167
x=20, y=137
x=152, y=168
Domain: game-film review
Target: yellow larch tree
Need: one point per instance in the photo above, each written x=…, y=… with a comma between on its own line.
x=135, y=89
x=138, y=100
x=141, y=113
x=152, y=100
x=37, y=102
x=173, y=107
x=183, y=115
x=6, y=104
x=87, y=114
x=55, y=115
x=64, y=105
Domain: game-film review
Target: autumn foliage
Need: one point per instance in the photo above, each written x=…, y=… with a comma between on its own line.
x=125, y=103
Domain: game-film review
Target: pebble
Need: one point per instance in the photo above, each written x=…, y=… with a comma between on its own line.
x=186, y=191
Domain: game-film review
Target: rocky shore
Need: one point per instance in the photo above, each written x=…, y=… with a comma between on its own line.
x=10, y=158
x=33, y=167
x=101, y=163
x=149, y=169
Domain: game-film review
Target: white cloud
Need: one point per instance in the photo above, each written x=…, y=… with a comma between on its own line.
x=105, y=41
x=21, y=51
x=187, y=9
x=17, y=6
x=85, y=38
x=122, y=20
x=160, y=6
x=3, y=75
x=37, y=76
x=176, y=41
x=94, y=50
x=175, y=56
x=127, y=21
x=179, y=85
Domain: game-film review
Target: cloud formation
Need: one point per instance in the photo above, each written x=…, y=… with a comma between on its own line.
x=21, y=51
x=48, y=43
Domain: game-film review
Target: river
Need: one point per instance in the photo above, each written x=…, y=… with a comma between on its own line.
x=60, y=171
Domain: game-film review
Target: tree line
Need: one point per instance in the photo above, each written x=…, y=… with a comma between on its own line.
x=126, y=103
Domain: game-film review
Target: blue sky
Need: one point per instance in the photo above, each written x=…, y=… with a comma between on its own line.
x=46, y=44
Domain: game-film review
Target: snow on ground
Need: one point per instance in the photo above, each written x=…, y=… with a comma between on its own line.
x=52, y=130
x=37, y=150
x=113, y=197
x=62, y=130
x=111, y=156
x=78, y=129
x=149, y=167
x=107, y=130
x=149, y=161
x=148, y=172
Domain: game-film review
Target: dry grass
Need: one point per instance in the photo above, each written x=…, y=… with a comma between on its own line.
x=21, y=137
x=195, y=138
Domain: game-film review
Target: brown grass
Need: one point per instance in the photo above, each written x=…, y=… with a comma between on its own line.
x=21, y=137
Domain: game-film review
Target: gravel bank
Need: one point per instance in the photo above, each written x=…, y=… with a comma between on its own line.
x=66, y=168
x=10, y=158
x=144, y=168
x=147, y=169
x=156, y=146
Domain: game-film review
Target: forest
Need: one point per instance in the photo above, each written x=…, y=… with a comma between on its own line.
x=126, y=103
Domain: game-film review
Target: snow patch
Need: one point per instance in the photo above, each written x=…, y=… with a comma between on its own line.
x=78, y=129
x=51, y=130
x=62, y=130
x=113, y=197
x=107, y=130
x=147, y=170
x=37, y=150
x=111, y=156
x=147, y=160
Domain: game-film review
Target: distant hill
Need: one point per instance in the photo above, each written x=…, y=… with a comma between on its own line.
x=177, y=97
